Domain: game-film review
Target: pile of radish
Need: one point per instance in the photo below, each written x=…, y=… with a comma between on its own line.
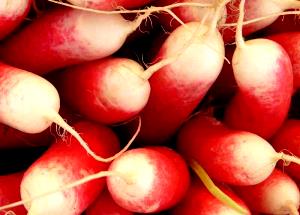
x=180, y=107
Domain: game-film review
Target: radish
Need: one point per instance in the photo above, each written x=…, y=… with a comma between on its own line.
x=64, y=162
x=12, y=13
x=105, y=205
x=30, y=104
x=198, y=201
x=65, y=36
x=288, y=139
x=10, y=192
x=255, y=9
x=177, y=88
x=231, y=156
x=263, y=72
x=290, y=41
x=111, y=90
x=278, y=194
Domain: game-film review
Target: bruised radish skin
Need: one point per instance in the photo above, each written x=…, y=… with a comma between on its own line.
x=231, y=156
x=153, y=179
x=105, y=205
x=12, y=13
x=255, y=9
x=65, y=162
x=10, y=192
x=198, y=201
x=176, y=89
x=64, y=37
x=278, y=194
x=290, y=41
x=288, y=139
x=111, y=90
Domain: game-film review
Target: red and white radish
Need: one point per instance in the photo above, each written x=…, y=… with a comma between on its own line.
x=278, y=194
x=198, y=201
x=177, y=88
x=12, y=13
x=10, y=192
x=290, y=41
x=263, y=72
x=288, y=139
x=64, y=37
x=231, y=156
x=111, y=90
x=65, y=162
x=105, y=205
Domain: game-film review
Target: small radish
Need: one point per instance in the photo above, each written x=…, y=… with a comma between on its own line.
x=105, y=205
x=111, y=90
x=64, y=162
x=278, y=194
x=30, y=104
x=177, y=88
x=12, y=13
x=263, y=72
x=231, y=156
x=198, y=201
x=64, y=37
x=255, y=9
x=288, y=139
x=10, y=192
x=290, y=41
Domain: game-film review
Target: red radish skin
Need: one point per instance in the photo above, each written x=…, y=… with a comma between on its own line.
x=198, y=201
x=65, y=162
x=278, y=194
x=105, y=205
x=255, y=9
x=12, y=13
x=10, y=192
x=290, y=41
x=176, y=89
x=154, y=179
x=111, y=90
x=288, y=139
x=231, y=156
x=64, y=37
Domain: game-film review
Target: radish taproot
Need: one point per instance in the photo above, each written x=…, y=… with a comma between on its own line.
x=278, y=194
x=66, y=36
x=66, y=161
x=231, y=156
x=12, y=13
x=264, y=75
x=111, y=90
x=287, y=139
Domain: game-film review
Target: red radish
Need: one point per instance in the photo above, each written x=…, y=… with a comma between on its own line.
x=263, y=72
x=290, y=41
x=177, y=88
x=255, y=9
x=10, y=192
x=288, y=139
x=105, y=205
x=231, y=156
x=198, y=201
x=65, y=36
x=30, y=104
x=111, y=90
x=12, y=13
x=65, y=162
x=278, y=194
x=151, y=179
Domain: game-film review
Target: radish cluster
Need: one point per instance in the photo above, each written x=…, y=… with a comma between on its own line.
x=150, y=107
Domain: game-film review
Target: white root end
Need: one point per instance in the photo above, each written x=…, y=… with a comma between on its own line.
x=56, y=118
x=240, y=43
x=219, y=7
x=293, y=210
x=287, y=158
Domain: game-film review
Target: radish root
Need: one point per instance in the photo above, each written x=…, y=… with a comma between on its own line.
x=287, y=158
x=240, y=43
x=291, y=208
x=214, y=190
